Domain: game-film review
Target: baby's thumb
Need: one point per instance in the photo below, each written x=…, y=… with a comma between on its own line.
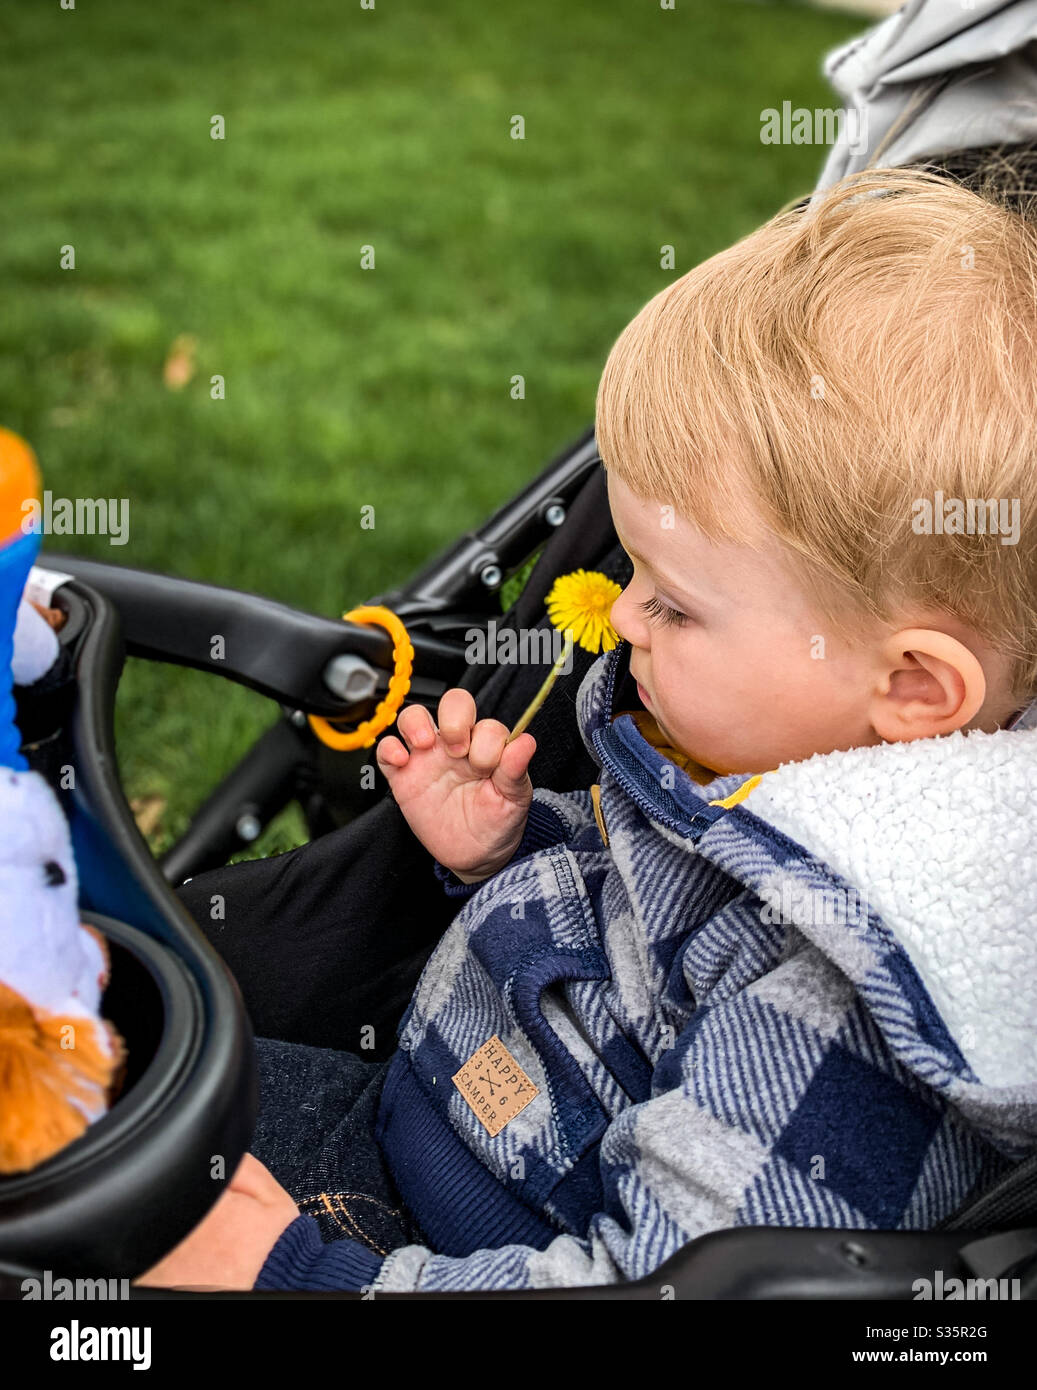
x=510, y=776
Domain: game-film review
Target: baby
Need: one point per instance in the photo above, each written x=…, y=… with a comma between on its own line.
x=778, y=966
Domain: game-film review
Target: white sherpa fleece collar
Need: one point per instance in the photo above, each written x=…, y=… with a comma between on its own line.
x=940, y=835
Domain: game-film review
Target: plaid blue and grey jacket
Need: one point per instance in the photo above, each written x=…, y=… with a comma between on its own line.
x=681, y=1011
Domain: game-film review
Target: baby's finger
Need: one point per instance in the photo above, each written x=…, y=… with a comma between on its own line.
x=488, y=739
x=414, y=725
x=456, y=717
x=510, y=776
x=391, y=752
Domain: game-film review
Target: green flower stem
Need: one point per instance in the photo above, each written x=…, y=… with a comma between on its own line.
x=544, y=690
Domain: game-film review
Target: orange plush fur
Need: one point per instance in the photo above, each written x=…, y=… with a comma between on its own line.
x=46, y=1064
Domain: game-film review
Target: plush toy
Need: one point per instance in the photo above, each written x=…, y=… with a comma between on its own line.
x=59, y=1060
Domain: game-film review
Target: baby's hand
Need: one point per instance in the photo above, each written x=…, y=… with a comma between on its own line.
x=463, y=789
x=229, y=1246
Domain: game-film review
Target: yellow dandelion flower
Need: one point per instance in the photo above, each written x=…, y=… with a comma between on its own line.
x=582, y=601
x=578, y=605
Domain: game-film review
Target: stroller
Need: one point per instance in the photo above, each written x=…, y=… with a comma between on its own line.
x=120, y=1197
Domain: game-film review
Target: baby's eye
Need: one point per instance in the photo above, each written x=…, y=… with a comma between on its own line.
x=662, y=612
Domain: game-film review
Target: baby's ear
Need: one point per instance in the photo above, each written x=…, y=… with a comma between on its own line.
x=929, y=684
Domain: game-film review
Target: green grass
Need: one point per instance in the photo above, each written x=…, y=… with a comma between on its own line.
x=347, y=387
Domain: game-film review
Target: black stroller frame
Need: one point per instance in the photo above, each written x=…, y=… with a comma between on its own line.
x=315, y=665
x=119, y=1198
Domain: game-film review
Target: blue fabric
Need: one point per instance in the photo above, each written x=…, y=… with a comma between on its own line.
x=466, y=1207
x=315, y=1132
x=17, y=556
x=301, y=1260
x=697, y=1064
x=889, y=1118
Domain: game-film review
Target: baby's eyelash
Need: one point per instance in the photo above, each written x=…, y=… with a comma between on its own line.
x=662, y=612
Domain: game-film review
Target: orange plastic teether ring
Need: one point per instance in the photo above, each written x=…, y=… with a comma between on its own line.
x=399, y=683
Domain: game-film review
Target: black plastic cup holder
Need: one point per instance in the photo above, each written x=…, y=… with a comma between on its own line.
x=138, y=1155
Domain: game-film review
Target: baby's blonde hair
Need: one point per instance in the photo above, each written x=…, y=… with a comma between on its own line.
x=838, y=365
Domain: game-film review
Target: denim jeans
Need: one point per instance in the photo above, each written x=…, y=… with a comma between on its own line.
x=315, y=1132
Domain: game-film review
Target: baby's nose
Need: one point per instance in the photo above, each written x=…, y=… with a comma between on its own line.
x=623, y=617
